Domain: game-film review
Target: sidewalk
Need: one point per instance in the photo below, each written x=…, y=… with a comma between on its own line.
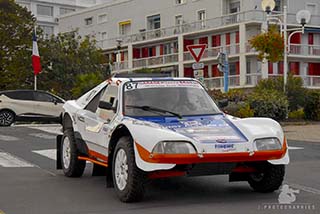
x=309, y=133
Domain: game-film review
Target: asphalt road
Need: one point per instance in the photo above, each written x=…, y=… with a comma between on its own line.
x=30, y=184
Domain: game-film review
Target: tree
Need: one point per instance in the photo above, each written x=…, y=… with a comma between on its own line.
x=270, y=45
x=16, y=26
x=66, y=56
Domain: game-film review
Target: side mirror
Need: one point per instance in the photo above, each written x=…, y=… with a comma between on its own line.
x=223, y=103
x=106, y=105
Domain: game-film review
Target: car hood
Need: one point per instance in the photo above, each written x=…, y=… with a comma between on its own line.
x=203, y=129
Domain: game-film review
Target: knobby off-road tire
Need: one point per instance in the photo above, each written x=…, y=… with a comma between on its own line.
x=72, y=167
x=128, y=179
x=268, y=179
x=7, y=117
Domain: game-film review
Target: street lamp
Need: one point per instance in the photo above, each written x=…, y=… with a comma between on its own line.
x=303, y=17
x=118, y=55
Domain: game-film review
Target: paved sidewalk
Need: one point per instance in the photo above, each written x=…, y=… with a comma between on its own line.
x=304, y=133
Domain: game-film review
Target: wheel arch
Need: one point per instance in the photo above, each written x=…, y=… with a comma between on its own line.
x=67, y=122
x=7, y=109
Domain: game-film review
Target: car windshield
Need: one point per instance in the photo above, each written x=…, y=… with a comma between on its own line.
x=167, y=98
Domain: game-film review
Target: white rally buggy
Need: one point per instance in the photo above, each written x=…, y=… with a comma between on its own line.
x=135, y=129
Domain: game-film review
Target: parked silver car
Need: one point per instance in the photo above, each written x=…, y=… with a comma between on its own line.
x=29, y=105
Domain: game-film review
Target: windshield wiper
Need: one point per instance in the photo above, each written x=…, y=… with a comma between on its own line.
x=150, y=108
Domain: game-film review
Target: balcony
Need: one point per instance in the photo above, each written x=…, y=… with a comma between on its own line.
x=122, y=66
x=213, y=52
x=305, y=50
x=310, y=81
x=218, y=82
x=154, y=61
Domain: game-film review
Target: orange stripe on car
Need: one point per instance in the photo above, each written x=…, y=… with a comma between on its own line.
x=210, y=157
x=93, y=161
x=94, y=154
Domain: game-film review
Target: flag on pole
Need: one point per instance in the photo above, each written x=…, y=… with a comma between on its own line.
x=35, y=55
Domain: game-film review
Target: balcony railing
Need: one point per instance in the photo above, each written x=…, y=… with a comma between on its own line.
x=253, y=79
x=218, y=82
x=120, y=66
x=306, y=50
x=213, y=51
x=311, y=81
x=157, y=60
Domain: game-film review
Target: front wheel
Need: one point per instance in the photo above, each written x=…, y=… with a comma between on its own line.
x=268, y=178
x=128, y=179
x=6, y=118
x=71, y=165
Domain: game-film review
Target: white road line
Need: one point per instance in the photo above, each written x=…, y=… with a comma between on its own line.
x=305, y=188
x=43, y=136
x=294, y=148
x=8, y=138
x=8, y=160
x=50, y=129
x=49, y=153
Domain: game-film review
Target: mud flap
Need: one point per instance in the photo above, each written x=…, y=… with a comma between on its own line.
x=58, y=144
x=99, y=170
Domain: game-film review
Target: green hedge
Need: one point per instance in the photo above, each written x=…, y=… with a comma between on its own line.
x=312, y=105
x=269, y=103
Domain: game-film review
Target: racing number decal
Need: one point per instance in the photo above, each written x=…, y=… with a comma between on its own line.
x=131, y=86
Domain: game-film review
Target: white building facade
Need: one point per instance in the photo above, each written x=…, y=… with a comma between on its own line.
x=155, y=34
x=48, y=12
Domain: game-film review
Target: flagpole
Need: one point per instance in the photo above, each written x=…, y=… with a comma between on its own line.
x=35, y=76
x=35, y=82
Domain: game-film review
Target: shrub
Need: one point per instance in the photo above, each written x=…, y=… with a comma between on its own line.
x=269, y=103
x=236, y=95
x=245, y=111
x=217, y=94
x=84, y=82
x=297, y=115
x=312, y=105
x=295, y=92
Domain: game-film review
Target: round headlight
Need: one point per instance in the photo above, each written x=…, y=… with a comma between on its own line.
x=174, y=147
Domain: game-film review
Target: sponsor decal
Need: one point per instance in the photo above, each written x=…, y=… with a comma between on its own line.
x=224, y=146
x=160, y=84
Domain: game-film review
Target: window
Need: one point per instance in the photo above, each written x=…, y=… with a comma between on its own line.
x=44, y=10
x=102, y=18
x=43, y=97
x=111, y=96
x=66, y=10
x=47, y=31
x=153, y=22
x=103, y=35
x=202, y=17
x=179, y=2
x=88, y=21
x=178, y=20
x=93, y=104
x=20, y=95
x=232, y=68
x=125, y=27
x=278, y=6
x=234, y=7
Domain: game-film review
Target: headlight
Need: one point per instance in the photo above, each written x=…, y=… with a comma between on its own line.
x=267, y=144
x=174, y=147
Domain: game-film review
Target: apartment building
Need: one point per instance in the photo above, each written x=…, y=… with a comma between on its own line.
x=48, y=12
x=155, y=34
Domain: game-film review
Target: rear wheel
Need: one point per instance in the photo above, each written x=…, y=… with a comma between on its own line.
x=72, y=167
x=6, y=118
x=128, y=179
x=268, y=178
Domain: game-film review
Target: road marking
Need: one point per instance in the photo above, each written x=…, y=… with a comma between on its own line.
x=43, y=136
x=8, y=160
x=294, y=148
x=49, y=153
x=305, y=188
x=49, y=129
x=8, y=138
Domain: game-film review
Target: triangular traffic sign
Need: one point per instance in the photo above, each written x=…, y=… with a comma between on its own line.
x=197, y=51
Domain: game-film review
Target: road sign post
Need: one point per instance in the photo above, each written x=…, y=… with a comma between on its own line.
x=224, y=67
x=197, y=52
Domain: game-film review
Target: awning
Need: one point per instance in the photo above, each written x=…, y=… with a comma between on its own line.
x=128, y=22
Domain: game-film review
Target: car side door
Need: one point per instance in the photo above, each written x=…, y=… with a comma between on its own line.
x=46, y=104
x=99, y=124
